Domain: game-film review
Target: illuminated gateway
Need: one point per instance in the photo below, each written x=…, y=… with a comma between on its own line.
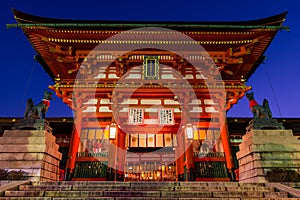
x=149, y=98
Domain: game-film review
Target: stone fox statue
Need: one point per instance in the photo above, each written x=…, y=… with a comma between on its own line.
x=39, y=110
x=259, y=111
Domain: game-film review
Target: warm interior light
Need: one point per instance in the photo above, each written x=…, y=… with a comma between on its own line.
x=189, y=131
x=112, y=131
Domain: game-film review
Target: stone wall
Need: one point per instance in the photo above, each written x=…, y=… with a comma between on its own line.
x=264, y=150
x=32, y=151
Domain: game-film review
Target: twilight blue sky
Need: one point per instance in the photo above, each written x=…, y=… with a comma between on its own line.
x=277, y=79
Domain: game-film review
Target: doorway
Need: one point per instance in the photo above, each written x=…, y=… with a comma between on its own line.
x=150, y=167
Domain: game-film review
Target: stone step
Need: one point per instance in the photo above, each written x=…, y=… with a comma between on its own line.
x=112, y=198
x=237, y=194
x=29, y=193
x=181, y=198
x=186, y=184
x=150, y=188
x=154, y=183
x=249, y=188
x=210, y=184
x=142, y=190
x=186, y=194
x=88, y=198
x=255, y=184
x=142, y=187
x=276, y=195
x=45, y=187
x=155, y=194
x=74, y=194
x=200, y=188
x=88, y=183
x=292, y=184
x=4, y=182
x=25, y=198
x=136, y=198
x=97, y=187
x=252, y=194
x=269, y=198
x=161, y=198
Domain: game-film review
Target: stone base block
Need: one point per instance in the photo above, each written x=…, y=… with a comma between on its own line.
x=32, y=151
x=253, y=179
x=264, y=150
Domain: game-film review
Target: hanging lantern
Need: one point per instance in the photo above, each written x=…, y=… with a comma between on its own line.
x=189, y=131
x=112, y=131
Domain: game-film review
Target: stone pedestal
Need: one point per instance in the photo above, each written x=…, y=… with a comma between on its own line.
x=32, y=151
x=264, y=150
x=32, y=124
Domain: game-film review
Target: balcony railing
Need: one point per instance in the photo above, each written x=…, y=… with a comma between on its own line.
x=209, y=155
x=90, y=170
x=211, y=170
x=92, y=154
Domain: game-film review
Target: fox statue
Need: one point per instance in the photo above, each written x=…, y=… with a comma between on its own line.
x=259, y=111
x=39, y=110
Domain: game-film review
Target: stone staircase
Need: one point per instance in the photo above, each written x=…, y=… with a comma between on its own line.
x=78, y=190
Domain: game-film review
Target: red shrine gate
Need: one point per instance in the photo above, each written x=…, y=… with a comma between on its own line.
x=163, y=128
x=149, y=114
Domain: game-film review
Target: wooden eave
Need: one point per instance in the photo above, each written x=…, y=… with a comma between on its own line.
x=45, y=33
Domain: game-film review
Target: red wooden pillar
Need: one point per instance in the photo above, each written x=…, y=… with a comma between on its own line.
x=121, y=154
x=179, y=152
x=186, y=160
x=74, y=144
x=189, y=159
x=112, y=157
x=226, y=145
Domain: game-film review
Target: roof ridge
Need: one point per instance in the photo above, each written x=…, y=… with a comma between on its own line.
x=275, y=20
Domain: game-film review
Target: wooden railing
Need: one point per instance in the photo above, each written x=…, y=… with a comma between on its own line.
x=209, y=155
x=90, y=170
x=92, y=154
x=211, y=170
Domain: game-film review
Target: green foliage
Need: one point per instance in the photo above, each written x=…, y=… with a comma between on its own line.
x=282, y=175
x=16, y=175
x=12, y=175
x=3, y=174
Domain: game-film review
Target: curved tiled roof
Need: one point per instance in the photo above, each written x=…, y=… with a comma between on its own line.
x=275, y=20
x=85, y=35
